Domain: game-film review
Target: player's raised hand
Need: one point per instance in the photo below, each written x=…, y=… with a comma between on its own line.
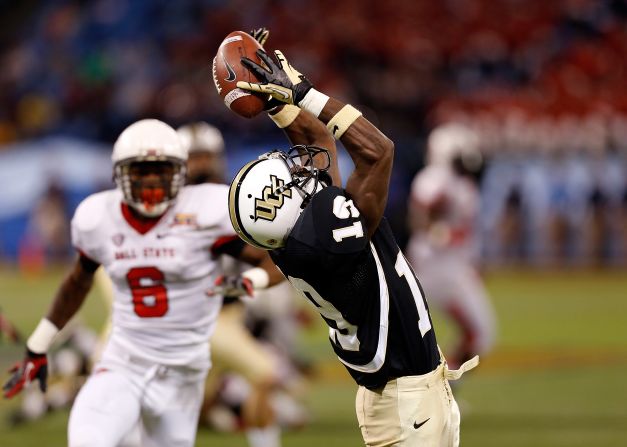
x=227, y=285
x=260, y=35
x=33, y=367
x=278, y=79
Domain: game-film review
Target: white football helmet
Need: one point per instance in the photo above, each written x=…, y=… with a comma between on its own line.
x=149, y=141
x=205, y=147
x=201, y=137
x=268, y=194
x=453, y=141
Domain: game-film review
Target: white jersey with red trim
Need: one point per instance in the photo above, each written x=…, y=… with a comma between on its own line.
x=160, y=274
x=457, y=200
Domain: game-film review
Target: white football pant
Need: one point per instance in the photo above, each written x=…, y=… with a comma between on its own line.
x=123, y=392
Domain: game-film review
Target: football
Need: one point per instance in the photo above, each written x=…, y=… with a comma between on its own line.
x=227, y=70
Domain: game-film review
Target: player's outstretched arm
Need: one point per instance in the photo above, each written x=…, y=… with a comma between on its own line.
x=371, y=151
x=68, y=299
x=301, y=127
x=72, y=292
x=260, y=259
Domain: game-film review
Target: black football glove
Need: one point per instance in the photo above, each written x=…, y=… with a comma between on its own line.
x=226, y=285
x=278, y=79
x=260, y=35
x=33, y=367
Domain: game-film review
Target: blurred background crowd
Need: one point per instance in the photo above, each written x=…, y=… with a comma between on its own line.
x=542, y=83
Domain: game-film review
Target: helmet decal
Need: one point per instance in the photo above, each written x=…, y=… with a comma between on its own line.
x=272, y=197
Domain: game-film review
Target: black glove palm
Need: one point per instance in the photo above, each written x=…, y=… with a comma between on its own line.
x=278, y=79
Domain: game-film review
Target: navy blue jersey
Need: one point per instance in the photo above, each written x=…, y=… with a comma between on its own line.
x=379, y=323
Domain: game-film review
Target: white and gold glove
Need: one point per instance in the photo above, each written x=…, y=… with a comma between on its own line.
x=260, y=35
x=277, y=79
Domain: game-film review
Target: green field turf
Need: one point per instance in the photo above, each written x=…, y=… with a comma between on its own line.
x=556, y=378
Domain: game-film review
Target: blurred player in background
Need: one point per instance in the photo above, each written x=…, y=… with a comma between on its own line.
x=233, y=348
x=159, y=242
x=46, y=240
x=206, y=162
x=443, y=248
x=338, y=251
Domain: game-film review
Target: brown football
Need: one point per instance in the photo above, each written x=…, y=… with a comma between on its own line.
x=227, y=70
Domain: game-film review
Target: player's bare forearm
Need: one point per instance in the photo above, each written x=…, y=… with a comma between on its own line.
x=308, y=130
x=365, y=143
x=373, y=153
x=70, y=295
x=273, y=272
x=260, y=258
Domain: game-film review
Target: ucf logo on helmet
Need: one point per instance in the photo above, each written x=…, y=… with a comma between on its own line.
x=271, y=199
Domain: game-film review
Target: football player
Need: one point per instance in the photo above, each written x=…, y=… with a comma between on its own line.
x=443, y=208
x=159, y=242
x=338, y=251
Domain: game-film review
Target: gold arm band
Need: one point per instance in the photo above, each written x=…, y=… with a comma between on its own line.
x=342, y=120
x=285, y=116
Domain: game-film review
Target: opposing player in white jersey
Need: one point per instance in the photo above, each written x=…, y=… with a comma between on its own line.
x=444, y=205
x=159, y=242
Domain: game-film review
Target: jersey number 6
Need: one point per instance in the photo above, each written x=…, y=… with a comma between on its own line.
x=150, y=297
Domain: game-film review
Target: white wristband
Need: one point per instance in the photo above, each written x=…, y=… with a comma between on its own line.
x=40, y=340
x=258, y=277
x=313, y=102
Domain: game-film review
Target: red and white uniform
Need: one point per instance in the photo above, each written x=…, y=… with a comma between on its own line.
x=458, y=199
x=443, y=255
x=157, y=355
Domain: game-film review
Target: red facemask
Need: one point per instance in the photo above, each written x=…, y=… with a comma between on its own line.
x=151, y=197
